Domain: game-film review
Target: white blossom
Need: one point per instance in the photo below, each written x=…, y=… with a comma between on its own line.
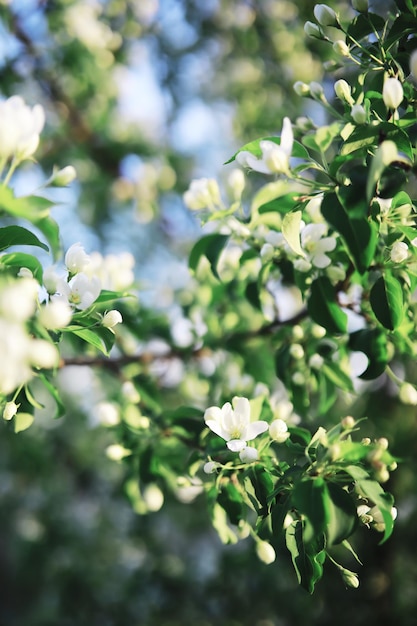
x=399, y=252
x=112, y=318
x=343, y=91
x=232, y=423
x=278, y=430
x=392, y=93
x=54, y=315
x=265, y=552
x=358, y=114
x=115, y=271
x=18, y=299
x=10, y=410
x=107, y=414
x=413, y=64
x=76, y=259
x=43, y=354
x=325, y=15
x=341, y=47
x=312, y=30
x=81, y=291
x=248, y=455
x=20, y=127
x=203, y=193
x=274, y=158
x=408, y=394
x=316, y=245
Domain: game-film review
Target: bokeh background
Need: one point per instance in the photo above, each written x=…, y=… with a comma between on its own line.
x=142, y=96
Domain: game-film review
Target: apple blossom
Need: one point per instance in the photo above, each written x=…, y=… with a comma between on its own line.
x=392, y=93
x=325, y=15
x=413, y=64
x=343, y=91
x=312, y=30
x=316, y=245
x=274, y=158
x=358, y=114
x=54, y=315
x=76, y=259
x=248, y=455
x=107, y=414
x=112, y=318
x=203, y=193
x=10, y=410
x=20, y=127
x=341, y=48
x=265, y=552
x=81, y=291
x=408, y=394
x=399, y=252
x=278, y=431
x=233, y=424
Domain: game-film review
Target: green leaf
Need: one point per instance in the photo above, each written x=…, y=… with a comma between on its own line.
x=22, y=421
x=307, y=558
x=262, y=484
x=386, y=300
x=49, y=228
x=101, y=338
x=359, y=235
x=54, y=393
x=364, y=25
x=291, y=231
x=21, y=259
x=310, y=498
x=28, y=207
x=323, y=308
x=230, y=499
x=334, y=373
x=342, y=515
x=19, y=236
x=211, y=247
x=373, y=343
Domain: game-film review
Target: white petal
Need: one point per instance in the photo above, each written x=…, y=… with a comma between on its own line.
x=287, y=137
x=242, y=407
x=247, y=159
x=255, y=429
x=217, y=429
x=236, y=445
x=213, y=413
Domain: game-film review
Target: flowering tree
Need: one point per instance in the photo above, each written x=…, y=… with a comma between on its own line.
x=309, y=262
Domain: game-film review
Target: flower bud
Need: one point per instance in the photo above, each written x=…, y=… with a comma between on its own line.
x=312, y=30
x=248, y=455
x=296, y=351
x=278, y=431
x=360, y=5
x=408, y=394
x=399, y=252
x=116, y=452
x=107, y=414
x=10, y=410
x=325, y=15
x=111, y=318
x=301, y=89
x=63, y=177
x=383, y=443
x=392, y=93
x=358, y=114
x=56, y=314
x=341, y=48
x=153, y=497
x=350, y=578
x=265, y=552
x=76, y=259
x=413, y=64
x=297, y=332
x=298, y=378
x=348, y=422
x=210, y=467
x=316, y=90
x=316, y=361
x=25, y=272
x=343, y=91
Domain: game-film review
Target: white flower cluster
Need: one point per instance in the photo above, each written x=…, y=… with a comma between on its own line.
x=20, y=127
x=232, y=422
x=274, y=158
x=20, y=351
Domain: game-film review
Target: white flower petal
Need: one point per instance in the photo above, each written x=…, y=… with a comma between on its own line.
x=236, y=445
x=255, y=428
